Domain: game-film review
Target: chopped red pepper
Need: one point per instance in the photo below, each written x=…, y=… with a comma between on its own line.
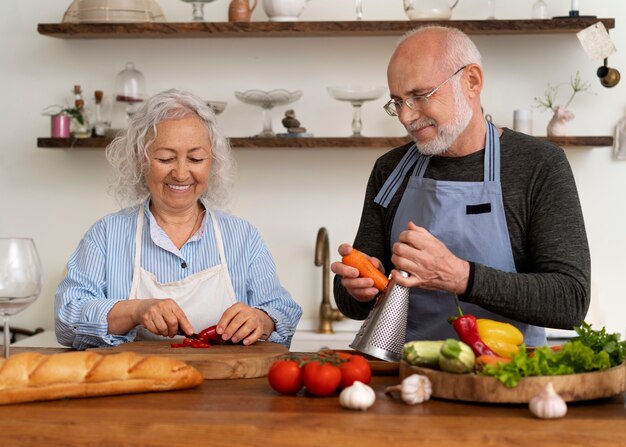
x=202, y=340
x=191, y=343
x=467, y=330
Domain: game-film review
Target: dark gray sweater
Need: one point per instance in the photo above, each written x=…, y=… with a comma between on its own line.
x=552, y=285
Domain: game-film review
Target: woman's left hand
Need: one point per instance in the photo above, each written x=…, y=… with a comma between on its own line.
x=241, y=322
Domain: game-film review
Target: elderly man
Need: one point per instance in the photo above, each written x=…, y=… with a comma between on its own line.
x=467, y=209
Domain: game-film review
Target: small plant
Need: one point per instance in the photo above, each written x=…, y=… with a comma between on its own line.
x=74, y=113
x=548, y=100
x=71, y=111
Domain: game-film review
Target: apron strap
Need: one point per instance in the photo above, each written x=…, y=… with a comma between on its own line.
x=393, y=182
x=492, y=154
x=421, y=165
x=137, y=266
x=218, y=238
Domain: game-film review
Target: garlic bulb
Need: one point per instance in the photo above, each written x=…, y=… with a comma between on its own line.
x=548, y=404
x=414, y=389
x=357, y=396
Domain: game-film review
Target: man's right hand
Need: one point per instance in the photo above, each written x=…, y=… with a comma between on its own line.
x=361, y=289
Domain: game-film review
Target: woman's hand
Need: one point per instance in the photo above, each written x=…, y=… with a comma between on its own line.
x=429, y=263
x=159, y=316
x=241, y=322
x=361, y=289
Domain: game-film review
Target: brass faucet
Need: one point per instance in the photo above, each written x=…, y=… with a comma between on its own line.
x=328, y=314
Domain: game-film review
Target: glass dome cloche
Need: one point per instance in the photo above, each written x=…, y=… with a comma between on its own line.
x=130, y=88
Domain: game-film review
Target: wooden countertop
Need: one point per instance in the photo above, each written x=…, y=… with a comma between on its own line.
x=247, y=412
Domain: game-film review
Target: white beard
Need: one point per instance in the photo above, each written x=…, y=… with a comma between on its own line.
x=449, y=132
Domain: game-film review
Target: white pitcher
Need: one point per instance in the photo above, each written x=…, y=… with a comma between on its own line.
x=284, y=10
x=429, y=9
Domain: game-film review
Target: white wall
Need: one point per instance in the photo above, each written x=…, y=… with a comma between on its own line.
x=53, y=196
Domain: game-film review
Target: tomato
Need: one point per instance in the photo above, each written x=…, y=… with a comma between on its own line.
x=321, y=378
x=356, y=368
x=285, y=376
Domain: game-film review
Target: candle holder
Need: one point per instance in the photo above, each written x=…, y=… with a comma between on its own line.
x=574, y=13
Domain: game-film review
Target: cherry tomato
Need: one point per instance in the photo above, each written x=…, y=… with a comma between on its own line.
x=321, y=378
x=285, y=376
x=356, y=368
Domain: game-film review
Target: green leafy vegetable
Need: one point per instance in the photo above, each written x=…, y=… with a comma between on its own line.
x=601, y=341
x=590, y=351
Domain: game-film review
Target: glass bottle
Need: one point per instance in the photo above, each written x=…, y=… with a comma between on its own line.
x=79, y=126
x=101, y=114
x=540, y=10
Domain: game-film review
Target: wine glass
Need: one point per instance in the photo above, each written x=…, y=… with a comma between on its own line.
x=20, y=279
x=356, y=95
x=198, y=9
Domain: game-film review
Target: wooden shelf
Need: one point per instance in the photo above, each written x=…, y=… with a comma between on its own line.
x=307, y=29
x=312, y=142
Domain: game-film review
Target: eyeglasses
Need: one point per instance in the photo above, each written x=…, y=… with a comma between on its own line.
x=393, y=107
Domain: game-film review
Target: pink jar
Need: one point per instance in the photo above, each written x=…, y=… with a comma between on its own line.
x=60, y=126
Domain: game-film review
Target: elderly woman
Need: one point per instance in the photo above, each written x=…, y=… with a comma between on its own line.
x=172, y=261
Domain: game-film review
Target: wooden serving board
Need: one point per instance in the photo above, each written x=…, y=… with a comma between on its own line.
x=475, y=388
x=228, y=361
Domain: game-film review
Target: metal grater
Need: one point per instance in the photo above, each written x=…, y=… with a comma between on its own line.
x=383, y=333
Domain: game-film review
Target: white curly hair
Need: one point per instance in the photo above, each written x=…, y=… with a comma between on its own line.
x=128, y=153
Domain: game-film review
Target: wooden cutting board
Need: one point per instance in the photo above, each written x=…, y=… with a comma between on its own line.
x=475, y=388
x=217, y=362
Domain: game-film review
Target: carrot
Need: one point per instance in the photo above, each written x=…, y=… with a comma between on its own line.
x=486, y=359
x=365, y=267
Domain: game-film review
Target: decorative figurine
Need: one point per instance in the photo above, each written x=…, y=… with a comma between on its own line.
x=292, y=124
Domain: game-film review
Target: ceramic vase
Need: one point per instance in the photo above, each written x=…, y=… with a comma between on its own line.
x=557, y=125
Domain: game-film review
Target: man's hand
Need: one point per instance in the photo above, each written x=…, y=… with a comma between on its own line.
x=361, y=289
x=428, y=262
x=242, y=322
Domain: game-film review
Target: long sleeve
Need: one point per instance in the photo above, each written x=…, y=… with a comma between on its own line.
x=100, y=273
x=551, y=285
x=82, y=301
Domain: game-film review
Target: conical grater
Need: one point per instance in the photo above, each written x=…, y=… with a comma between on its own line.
x=383, y=333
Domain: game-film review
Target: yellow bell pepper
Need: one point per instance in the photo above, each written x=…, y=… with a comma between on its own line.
x=502, y=338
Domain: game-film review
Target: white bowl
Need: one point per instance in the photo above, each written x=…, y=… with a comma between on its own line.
x=356, y=92
x=268, y=99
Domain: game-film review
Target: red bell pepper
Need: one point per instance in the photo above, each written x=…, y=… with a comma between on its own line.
x=467, y=330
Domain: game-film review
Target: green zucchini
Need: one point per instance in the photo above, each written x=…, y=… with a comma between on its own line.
x=422, y=353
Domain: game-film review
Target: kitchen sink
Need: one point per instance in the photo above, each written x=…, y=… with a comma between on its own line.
x=306, y=339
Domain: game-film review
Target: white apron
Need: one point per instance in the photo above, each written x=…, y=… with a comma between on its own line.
x=203, y=296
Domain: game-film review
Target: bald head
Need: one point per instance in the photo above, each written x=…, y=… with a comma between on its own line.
x=443, y=47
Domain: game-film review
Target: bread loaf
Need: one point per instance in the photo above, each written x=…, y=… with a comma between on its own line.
x=30, y=376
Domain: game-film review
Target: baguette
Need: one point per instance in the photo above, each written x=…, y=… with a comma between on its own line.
x=30, y=377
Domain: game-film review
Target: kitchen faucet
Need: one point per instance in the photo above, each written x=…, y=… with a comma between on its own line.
x=328, y=314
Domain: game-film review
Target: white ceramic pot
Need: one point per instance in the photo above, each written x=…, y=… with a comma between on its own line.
x=284, y=10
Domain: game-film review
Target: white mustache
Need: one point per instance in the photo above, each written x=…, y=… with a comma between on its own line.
x=416, y=125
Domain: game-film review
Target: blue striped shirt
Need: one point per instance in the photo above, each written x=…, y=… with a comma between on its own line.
x=100, y=271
